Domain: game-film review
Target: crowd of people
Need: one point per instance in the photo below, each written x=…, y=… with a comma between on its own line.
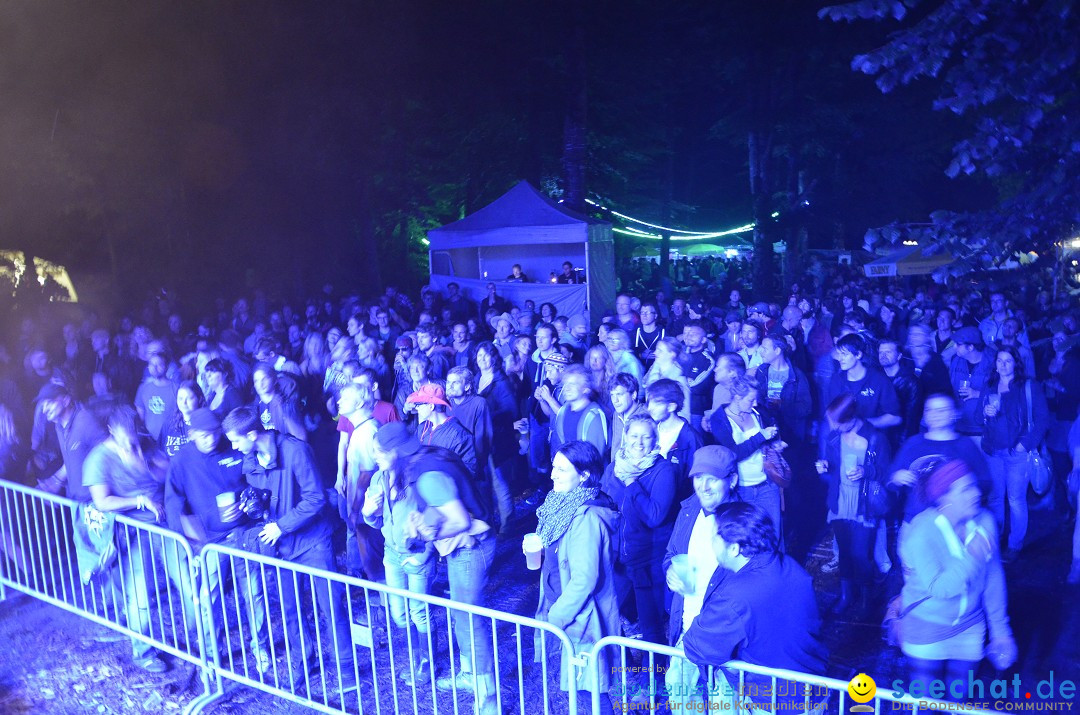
x=682, y=458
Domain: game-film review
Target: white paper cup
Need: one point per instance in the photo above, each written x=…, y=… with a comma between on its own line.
x=534, y=549
x=686, y=571
x=225, y=500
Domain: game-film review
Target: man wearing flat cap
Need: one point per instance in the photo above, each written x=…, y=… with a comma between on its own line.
x=689, y=555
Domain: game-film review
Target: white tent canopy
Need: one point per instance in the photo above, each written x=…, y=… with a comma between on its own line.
x=523, y=226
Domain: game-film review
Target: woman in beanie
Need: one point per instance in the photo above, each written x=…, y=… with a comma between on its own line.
x=954, y=586
x=577, y=585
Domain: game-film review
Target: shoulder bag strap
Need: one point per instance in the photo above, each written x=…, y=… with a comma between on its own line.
x=1027, y=389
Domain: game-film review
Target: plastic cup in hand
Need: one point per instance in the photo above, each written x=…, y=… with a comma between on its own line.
x=848, y=464
x=225, y=501
x=994, y=399
x=534, y=549
x=687, y=573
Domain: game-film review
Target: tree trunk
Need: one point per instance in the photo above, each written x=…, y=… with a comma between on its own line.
x=574, y=128
x=764, y=264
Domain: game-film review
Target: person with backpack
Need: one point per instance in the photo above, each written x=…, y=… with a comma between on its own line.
x=436, y=509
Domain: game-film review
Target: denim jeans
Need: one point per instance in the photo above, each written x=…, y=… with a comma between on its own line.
x=500, y=485
x=217, y=577
x=650, y=588
x=856, y=545
x=539, y=451
x=467, y=571
x=140, y=561
x=332, y=608
x=416, y=579
x=767, y=496
x=1009, y=478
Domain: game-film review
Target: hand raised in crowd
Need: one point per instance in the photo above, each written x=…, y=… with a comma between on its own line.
x=822, y=466
x=770, y=432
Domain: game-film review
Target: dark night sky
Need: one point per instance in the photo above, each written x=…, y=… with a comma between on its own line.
x=171, y=142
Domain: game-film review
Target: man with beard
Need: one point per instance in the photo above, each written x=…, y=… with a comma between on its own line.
x=156, y=397
x=901, y=372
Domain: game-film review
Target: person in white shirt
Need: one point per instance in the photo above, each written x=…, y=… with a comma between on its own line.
x=690, y=562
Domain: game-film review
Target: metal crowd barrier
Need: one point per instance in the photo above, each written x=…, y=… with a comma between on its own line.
x=255, y=621
x=264, y=617
x=147, y=595
x=660, y=674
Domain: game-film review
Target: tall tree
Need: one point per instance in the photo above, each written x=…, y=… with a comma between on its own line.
x=1010, y=70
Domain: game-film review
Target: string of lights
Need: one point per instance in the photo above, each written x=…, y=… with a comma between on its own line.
x=676, y=234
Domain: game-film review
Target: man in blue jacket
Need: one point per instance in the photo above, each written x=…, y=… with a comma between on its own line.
x=740, y=618
x=298, y=530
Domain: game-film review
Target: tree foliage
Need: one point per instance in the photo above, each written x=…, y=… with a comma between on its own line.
x=1009, y=68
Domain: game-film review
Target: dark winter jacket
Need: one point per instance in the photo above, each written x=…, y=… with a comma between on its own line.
x=297, y=496
x=1011, y=425
x=647, y=512
x=454, y=437
x=796, y=402
x=503, y=406
x=875, y=467
x=765, y=614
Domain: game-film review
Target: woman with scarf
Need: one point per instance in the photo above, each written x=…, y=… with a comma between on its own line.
x=642, y=484
x=577, y=587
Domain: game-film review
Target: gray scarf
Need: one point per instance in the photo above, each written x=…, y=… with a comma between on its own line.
x=557, y=511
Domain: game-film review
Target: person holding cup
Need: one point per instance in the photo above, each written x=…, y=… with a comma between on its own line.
x=1013, y=409
x=969, y=371
x=202, y=488
x=954, y=585
x=689, y=561
x=854, y=460
x=577, y=585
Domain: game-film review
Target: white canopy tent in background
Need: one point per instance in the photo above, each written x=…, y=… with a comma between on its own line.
x=524, y=226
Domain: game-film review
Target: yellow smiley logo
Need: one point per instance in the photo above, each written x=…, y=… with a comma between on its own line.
x=862, y=688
